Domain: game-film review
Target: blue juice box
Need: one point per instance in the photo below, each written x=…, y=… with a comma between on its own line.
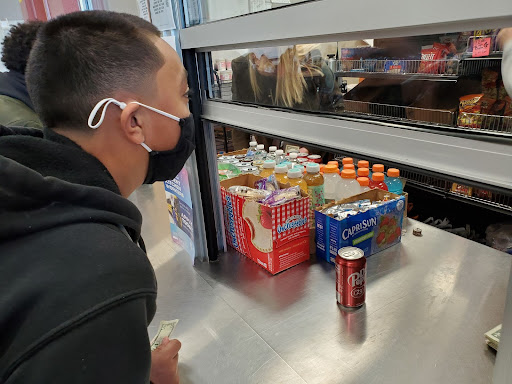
x=374, y=230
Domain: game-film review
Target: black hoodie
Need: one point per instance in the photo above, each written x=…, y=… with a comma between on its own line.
x=77, y=291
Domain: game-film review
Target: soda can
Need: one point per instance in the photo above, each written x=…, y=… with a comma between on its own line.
x=350, y=277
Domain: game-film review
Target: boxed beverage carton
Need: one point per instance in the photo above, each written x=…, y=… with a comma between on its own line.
x=276, y=238
x=372, y=231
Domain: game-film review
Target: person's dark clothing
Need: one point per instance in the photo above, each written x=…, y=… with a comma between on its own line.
x=77, y=291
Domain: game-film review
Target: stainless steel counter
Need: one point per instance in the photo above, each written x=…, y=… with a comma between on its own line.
x=429, y=302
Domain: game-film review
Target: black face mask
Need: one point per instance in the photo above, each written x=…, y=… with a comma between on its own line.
x=163, y=165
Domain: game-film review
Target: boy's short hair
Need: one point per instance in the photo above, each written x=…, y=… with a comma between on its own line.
x=83, y=57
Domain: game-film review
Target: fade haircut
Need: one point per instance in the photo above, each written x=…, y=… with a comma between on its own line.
x=81, y=58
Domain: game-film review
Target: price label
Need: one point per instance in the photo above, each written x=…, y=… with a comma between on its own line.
x=481, y=47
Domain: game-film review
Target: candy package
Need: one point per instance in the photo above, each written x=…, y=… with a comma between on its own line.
x=282, y=196
x=248, y=192
x=267, y=183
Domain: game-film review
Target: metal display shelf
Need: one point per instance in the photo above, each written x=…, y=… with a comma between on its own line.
x=401, y=113
x=445, y=153
x=495, y=201
x=450, y=69
x=490, y=124
x=441, y=186
x=421, y=69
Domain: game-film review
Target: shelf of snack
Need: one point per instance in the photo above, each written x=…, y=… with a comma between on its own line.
x=470, y=103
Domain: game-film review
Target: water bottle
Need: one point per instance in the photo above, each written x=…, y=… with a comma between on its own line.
x=280, y=156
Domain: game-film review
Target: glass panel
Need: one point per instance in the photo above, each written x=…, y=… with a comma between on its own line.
x=204, y=11
x=450, y=80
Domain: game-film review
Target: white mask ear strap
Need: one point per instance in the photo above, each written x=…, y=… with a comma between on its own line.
x=157, y=111
x=100, y=104
x=146, y=147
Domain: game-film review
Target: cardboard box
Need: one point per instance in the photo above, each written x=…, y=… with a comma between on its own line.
x=372, y=231
x=234, y=153
x=276, y=238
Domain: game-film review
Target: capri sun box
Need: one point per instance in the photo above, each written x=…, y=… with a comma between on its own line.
x=372, y=231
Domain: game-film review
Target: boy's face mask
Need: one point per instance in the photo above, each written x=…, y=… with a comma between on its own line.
x=163, y=165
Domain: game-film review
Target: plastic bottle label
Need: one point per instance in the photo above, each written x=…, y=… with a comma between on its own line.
x=317, y=199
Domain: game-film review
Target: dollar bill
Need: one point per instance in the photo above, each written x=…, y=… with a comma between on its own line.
x=493, y=337
x=165, y=329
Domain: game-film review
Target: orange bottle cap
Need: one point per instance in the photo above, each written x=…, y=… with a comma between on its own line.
x=393, y=172
x=363, y=172
x=333, y=162
x=378, y=168
x=348, y=174
x=349, y=166
x=363, y=164
x=330, y=168
x=363, y=181
x=378, y=176
x=347, y=160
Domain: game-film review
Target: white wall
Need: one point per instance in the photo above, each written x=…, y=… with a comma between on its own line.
x=126, y=6
x=10, y=10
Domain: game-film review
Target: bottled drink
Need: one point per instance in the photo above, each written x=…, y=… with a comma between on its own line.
x=293, y=158
x=364, y=183
x=252, y=148
x=393, y=182
x=288, y=164
x=348, y=186
x=363, y=164
x=272, y=153
x=363, y=172
x=336, y=164
x=376, y=168
x=331, y=181
x=295, y=178
x=377, y=181
x=259, y=156
x=281, y=172
x=268, y=168
x=315, y=183
x=279, y=156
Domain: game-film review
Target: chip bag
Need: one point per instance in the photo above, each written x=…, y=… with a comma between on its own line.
x=469, y=108
x=432, y=57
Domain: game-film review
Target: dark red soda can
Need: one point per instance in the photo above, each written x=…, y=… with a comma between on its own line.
x=350, y=277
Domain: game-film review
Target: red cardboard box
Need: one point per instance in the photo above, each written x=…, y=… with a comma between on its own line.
x=276, y=238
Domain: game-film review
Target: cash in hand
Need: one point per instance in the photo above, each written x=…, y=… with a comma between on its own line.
x=165, y=329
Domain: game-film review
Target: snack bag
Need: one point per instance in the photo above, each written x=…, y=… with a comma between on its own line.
x=462, y=189
x=267, y=183
x=248, y=192
x=282, y=196
x=489, y=83
x=431, y=59
x=508, y=107
x=469, y=109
